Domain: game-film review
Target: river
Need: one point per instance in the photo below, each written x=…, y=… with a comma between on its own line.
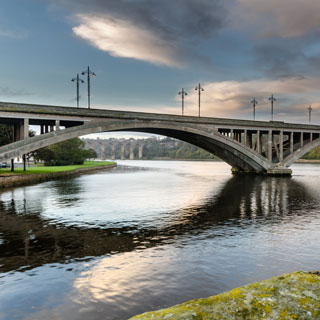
x=150, y=234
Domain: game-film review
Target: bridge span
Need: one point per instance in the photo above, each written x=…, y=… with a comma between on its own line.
x=262, y=147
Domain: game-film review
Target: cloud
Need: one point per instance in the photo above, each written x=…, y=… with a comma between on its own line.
x=285, y=18
x=280, y=60
x=123, y=39
x=160, y=32
x=231, y=99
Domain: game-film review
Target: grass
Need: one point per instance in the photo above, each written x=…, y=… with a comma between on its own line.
x=43, y=169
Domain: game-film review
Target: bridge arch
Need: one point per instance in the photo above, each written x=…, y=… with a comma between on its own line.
x=234, y=153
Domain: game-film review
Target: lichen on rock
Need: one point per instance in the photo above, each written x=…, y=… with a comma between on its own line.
x=291, y=296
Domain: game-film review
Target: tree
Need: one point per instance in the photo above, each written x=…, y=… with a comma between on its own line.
x=65, y=153
x=314, y=154
x=6, y=134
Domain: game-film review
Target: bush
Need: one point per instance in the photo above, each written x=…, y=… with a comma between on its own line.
x=65, y=153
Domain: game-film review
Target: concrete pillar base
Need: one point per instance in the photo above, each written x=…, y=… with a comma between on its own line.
x=280, y=171
x=236, y=171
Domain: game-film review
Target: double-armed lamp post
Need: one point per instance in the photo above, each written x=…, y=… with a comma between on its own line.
x=254, y=103
x=272, y=99
x=309, y=109
x=89, y=74
x=183, y=94
x=199, y=88
x=78, y=80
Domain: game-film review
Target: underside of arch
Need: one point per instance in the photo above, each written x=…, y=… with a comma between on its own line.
x=226, y=153
x=235, y=154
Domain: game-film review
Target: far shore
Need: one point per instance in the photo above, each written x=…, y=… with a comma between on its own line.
x=39, y=174
x=308, y=161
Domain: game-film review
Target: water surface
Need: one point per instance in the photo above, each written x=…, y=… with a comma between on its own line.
x=150, y=234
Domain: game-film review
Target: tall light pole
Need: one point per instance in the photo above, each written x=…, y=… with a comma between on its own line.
x=78, y=80
x=309, y=109
x=254, y=103
x=182, y=93
x=272, y=99
x=199, y=88
x=89, y=74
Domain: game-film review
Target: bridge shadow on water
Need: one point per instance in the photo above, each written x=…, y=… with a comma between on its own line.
x=27, y=240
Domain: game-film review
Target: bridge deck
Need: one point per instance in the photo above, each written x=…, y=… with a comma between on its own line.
x=46, y=112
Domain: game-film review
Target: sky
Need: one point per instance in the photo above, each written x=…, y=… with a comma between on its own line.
x=145, y=51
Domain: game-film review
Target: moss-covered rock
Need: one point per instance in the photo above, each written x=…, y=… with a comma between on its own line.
x=291, y=296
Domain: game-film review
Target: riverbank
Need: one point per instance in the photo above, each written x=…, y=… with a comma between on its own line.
x=291, y=296
x=41, y=173
x=308, y=161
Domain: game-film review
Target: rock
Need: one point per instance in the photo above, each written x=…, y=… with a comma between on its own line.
x=291, y=296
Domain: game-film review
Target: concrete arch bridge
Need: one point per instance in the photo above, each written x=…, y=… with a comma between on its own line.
x=260, y=147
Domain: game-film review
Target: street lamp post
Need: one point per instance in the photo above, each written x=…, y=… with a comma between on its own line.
x=309, y=109
x=92, y=74
x=199, y=88
x=272, y=99
x=254, y=103
x=183, y=94
x=78, y=80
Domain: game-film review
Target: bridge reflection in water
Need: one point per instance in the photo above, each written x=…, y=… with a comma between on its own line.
x=27, y=240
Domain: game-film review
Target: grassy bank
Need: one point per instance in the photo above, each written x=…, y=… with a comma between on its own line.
x=43, y=169
x=41, y=173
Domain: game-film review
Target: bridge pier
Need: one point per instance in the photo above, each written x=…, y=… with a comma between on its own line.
x=132, y=151
x=113, y=152
x=276, y=171
x=140, y=151
x=122, y=151
x=102, y=151
x=279, y=171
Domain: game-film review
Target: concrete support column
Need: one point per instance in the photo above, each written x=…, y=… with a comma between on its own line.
x=16, y=132
x=21, y=129
x=281, y=145
x=231, y=133
x=258, y=142
x=46, y=128
x=301, y=139
x=57, y=124
x=140, y=151
x=25, y=128
x=270, y=145
x=132, y=151
x=311, y=137
x=245, y=137
x=122, y=151
x=41, y=129
x=113, y=152
x=291, y=142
